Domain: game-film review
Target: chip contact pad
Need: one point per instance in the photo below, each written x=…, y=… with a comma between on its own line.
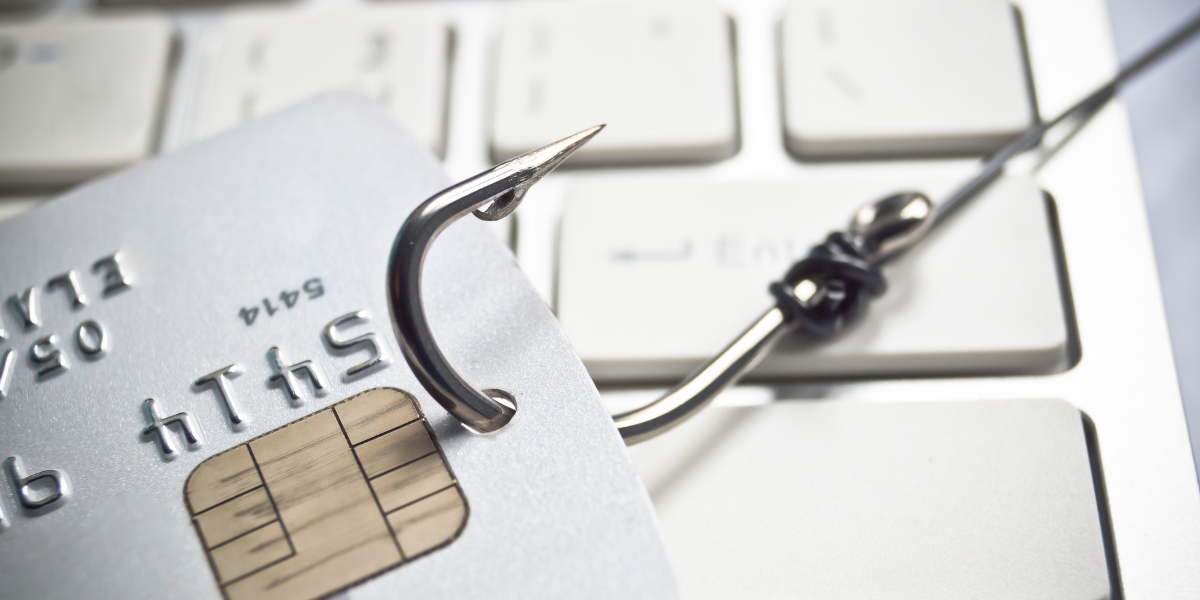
x=325, y=502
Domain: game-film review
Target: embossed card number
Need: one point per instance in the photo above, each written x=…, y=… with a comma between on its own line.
x=46, y=353
x=320, y=504
x=313, y=288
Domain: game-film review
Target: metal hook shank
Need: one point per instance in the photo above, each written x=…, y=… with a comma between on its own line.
x=898, y=222
x=503, y=186
x=806, y=299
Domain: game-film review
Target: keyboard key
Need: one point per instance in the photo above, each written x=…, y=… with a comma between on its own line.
x=989, y=500
x=910, y=77
x=79, y=98
x=12, y=207
x=260, y=61
x=654, y=279
x=660, y=74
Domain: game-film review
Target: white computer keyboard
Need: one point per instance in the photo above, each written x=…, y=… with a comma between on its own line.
x=739, y=133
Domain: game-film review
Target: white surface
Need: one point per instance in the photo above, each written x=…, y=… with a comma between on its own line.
x=659, y=74
x=1166, y=127
x=80, y=97
x=701, y=257
x=913, y=500
x=876, y=77
x=314, y=191
x=1126, y=379
x=11, y=207
x=262, y=60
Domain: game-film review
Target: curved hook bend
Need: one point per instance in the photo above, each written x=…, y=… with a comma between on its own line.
x=491, y=195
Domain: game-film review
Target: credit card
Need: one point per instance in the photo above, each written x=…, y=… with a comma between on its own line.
x=203, y=396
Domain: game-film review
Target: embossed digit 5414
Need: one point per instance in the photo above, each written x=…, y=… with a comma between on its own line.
x=313, y=288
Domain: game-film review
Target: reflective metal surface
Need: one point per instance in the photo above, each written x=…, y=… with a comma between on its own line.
x=25, y=306
x=369, y=340
x=288, y=376
x=59, y=484
x=881, y=229
x=6, y=367
x=69, y=282
x=91, y=339
x=1125, y=379
x=259, y=239
x=45, y=353
x=1078, y=114
x=219, y=380
x=501, y=189
x=158, y=427
x=898, y=222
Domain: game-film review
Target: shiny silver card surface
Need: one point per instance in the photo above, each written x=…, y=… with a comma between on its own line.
x=203, y=396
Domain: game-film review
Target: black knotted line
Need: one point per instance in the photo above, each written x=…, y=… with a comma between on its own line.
x=846, y=281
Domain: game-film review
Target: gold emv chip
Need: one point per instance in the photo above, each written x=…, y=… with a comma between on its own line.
x=327, y=501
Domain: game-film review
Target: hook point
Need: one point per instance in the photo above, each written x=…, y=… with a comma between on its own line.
x=529, y=168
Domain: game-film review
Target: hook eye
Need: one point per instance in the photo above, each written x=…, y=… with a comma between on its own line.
x=893, y=224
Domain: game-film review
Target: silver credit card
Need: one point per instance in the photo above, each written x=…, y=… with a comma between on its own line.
x=203, y=396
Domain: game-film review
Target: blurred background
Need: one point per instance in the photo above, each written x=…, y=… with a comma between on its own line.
x=1166, y=132
x=141, y=78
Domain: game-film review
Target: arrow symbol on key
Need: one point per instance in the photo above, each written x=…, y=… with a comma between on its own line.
x=631, y=255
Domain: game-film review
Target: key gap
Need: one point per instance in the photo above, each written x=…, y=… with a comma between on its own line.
x=1074, y=349
x=1106, y=528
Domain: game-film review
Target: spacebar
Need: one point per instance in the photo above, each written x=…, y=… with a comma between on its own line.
x=656, y=278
